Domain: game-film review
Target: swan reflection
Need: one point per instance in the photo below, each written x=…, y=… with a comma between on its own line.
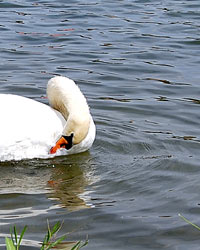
x=63, y=179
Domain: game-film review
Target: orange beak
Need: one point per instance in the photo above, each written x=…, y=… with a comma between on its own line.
x=61, y=143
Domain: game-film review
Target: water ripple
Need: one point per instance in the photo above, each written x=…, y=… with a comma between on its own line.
x=138, y=64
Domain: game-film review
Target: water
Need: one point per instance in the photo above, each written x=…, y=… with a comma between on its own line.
x=138, y=64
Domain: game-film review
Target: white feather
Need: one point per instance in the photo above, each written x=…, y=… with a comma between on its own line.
x=28, y=129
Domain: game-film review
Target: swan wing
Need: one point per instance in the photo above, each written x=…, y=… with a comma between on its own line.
x=27, y=128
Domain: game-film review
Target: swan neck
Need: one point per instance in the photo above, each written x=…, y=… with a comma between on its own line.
x=65, y=96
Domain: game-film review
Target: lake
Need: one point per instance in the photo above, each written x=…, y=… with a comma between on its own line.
x=137, y=62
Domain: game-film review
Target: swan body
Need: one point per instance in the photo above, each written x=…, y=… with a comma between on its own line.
x=29, y=129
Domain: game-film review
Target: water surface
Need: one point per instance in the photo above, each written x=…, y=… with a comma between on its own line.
x=138, y=64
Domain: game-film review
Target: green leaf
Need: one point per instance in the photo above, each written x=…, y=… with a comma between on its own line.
x=56, y=228
x=58, y=241
x=50, y=234
x=15, y=234
x=9, y=244
x=189, y=222
x=77, y=246
x=85, y=243
x=11, y=234
x=80, y=244
x=22, y=234
x=47, y=237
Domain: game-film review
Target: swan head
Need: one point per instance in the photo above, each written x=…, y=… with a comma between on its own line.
x=63, y=142
x=65, y=96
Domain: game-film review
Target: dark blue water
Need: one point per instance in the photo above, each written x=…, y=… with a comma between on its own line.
x=138, y=64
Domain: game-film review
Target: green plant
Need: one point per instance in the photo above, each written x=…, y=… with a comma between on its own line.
x=50, y=239
x=79, y=245
x=189, y=222
x=14, y=242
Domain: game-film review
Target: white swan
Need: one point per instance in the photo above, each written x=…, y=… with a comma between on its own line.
x=30, y=129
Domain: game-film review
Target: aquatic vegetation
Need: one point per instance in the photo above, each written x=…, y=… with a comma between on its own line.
x=50, y=240
x=14, y=242
x=189, y=222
